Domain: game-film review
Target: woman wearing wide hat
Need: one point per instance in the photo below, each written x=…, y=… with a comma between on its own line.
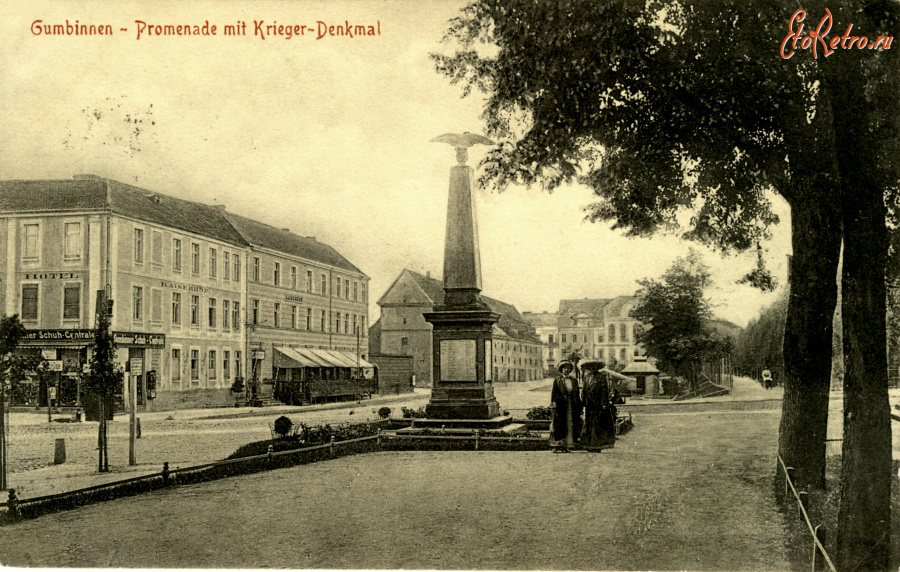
x=565, y=401
x=599, y=411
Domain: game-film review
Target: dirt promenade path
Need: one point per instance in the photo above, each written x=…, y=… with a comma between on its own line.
x=680, y=492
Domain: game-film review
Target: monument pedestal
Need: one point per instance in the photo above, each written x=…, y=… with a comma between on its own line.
x=462, y=345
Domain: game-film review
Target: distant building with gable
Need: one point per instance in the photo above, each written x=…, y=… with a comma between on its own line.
x=600, y=329
x=402, y=330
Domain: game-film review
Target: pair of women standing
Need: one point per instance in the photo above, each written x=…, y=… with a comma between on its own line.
x=598, y=431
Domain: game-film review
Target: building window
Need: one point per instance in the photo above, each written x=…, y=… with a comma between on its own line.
x=346, y=323
x=213, y=262
x=156, y=305
x=176, y=364
x=612, y=333
x=195, y=258
x=156, y=240
x=563, y=338
x=599, y=337
x=623, y=333
x=236, y=267
x=195, y=364
x=137, y=303
x=29, y=301
x=138, y=246
x=176, y=254
x=294, y=277
x=294, y=317
x=338, y=288
x=226, y=364
x=176, y=308
x=72, y=249
x=31, y=237
x=308, y=319
x=622, y=355
x=212, y=364
x=347, y=288
x=237, y=364
x=277, y=274
x=337, y=323
x=550, y=338
x=72, y=302
x=309, y=280
x=551, y=354
x=212, y=312
x=322, y=321
x=363, y=287
x=355, y=330
x=255, y=319
x=226, y=314
x=255, y=269
x=236, y=315
x=404, y=345
x=574, y=338
x=195, y=310
x=324, y=285
x=226, y=265
x=277, y=316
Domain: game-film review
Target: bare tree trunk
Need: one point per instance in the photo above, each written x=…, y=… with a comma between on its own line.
x=864, y=517
x=816, y=241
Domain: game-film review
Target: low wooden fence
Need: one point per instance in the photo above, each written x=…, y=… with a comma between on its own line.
x=32, y=507
x=817, y=532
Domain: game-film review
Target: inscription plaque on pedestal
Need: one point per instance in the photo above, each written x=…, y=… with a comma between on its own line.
x=458, y=360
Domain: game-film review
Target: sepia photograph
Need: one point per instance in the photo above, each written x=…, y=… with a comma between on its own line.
x=450, y=285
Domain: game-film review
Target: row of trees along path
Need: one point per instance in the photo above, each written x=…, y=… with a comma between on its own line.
x=662, y=106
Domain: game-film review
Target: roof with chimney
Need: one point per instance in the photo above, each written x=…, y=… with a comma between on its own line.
x=266, y=236
x=412, y=288
x=92, y=193
x=595, y=309
x=542, y=319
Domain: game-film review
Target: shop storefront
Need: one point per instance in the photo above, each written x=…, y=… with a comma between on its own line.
x=66, y=356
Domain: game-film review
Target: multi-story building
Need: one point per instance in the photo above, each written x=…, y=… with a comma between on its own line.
x=179, y=274
x=402, y=330
x=593, y=328
x=546, y=326
x=300, y=293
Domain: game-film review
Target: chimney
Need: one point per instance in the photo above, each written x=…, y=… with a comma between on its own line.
x=428, y=274
x=311, y=237
x=219, y=207
x=286, y=230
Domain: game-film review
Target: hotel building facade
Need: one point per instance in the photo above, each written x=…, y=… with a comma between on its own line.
x=182, y=277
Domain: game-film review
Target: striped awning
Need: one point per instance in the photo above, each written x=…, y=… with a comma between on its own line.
x=287, y=357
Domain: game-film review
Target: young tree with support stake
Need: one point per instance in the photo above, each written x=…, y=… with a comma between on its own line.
x=105, y=378
x=666, y=106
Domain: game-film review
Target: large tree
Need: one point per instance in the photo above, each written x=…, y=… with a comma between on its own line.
x=664, y=106
x=676, y=314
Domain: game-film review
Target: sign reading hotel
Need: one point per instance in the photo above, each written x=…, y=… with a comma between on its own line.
x=458, y=360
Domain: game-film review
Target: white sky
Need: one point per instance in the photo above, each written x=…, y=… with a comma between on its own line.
x=326, y=137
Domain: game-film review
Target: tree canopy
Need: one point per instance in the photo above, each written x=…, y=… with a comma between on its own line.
x=675, y=314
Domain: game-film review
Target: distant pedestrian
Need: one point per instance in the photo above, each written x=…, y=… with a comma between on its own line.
x=599, y=411
x=767, y=378
x=565, y=402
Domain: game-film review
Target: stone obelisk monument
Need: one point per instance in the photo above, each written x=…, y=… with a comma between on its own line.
x=462, y=390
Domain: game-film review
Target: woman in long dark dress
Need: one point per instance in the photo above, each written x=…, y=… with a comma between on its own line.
x=599, y=411
x=566, y=405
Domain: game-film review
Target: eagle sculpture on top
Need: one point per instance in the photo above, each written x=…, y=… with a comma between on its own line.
x=461, y=142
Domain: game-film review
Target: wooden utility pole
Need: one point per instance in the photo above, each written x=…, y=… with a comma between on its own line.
x=132, y=419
